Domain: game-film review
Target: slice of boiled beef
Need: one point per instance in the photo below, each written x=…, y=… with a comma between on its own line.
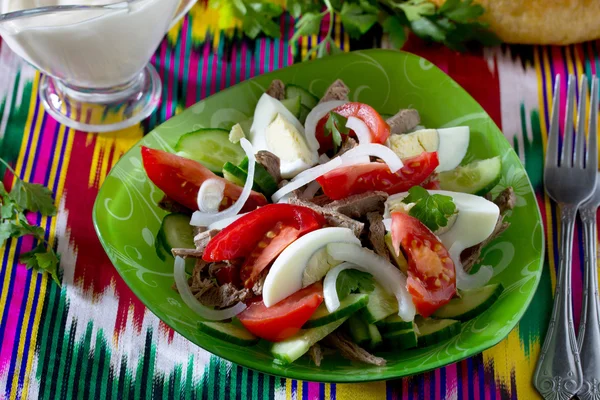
x=336, y=91
x=332, y=217
x=170, y=205
x=358, y=205
x=201, y=239
x=276, y=89
x=271, y=163
x=351, y=350
x=377, y=234
x=404, y=121
x=316, y=354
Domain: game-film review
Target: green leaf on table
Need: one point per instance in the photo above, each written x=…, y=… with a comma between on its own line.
x=300, y=7
x=427, y=29
x=416, y=9
x=357, y=20
x=432, y=210
x=309, y=24
x=462, y=11
x=6, y=231
x=394, y=28
x=7, y=210
x=25, y=228
x=352, y=281
x=33, y=197
x=42, y=259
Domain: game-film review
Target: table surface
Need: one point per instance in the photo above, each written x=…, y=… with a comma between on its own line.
x=93, y=339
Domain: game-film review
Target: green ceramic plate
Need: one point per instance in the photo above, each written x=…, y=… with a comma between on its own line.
x=126, y=216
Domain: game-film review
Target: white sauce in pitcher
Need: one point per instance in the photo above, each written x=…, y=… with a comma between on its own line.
x=89, y=48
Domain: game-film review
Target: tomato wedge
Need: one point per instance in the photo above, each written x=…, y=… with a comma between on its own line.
x=180, y=178
x=380, y=130
x=431, y=274
x=270, y=246
x=356, y=179
x=239, y=239
x=285, y=318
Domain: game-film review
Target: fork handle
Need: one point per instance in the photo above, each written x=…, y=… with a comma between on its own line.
x=558, y=374
x=589, y=325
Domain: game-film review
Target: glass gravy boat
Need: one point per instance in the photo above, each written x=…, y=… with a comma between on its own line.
x=94, y=57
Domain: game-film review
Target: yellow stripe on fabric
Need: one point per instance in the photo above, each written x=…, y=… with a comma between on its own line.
x=303, y=46
x=547, y=108
x=508, y=357
x=94, y=164
x=33, y=281
x=18, y=167
x=327, y=391
x=70, y=135
x=338, y=33
x=351, y=391
x=288, y=389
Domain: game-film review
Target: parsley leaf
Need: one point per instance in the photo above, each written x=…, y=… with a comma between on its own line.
x=432, y=210
x=336, y=127
x=14, y=224
x=257, y=17
x=353, y=280
x=300, y=7
x=357, y=19
x=33, y=197
x=43, y=260
x=394, y=28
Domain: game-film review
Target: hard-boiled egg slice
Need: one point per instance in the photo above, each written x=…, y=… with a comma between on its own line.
x=285, y=276
x=277, y=130
x=451, y=145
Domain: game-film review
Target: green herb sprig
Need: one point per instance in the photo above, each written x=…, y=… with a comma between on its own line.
x=455, y=23
x=28, y=197
x=432, y=210
x=336, y=127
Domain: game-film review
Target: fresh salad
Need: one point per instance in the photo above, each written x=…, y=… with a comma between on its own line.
x=322, y=223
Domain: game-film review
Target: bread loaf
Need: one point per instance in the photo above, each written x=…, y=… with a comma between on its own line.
x=542, y=21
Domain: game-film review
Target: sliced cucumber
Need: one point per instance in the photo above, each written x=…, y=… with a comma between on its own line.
x=228, y=332
x=289, y=350
x=293, y=104
x=358, y=329
x=399, y=259
x=175, y=232
x=348, y=306
x=210, y=147
x=471, y=303
x=394, y=323
x=478, y=177
x=402, y=339
x=432, y=331
x=381, y=304
x=262, y=179
x=375, y=338
x=303, y=113
x=234, y=174
x=306, y=98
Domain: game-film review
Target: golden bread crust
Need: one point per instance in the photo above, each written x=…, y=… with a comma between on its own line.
x=542, y=21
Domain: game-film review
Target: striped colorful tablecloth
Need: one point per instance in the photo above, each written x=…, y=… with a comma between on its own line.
x=92, y=339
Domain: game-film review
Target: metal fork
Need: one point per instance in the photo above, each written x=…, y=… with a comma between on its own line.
x=558, y=374
x=588, y=339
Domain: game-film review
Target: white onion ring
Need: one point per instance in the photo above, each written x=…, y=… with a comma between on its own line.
x=386, y=274
x=387, y=222
x=313, y=118
x=311, y=190
x=323, y=158
x=305, y=177
x=192, y=302
x=376, y=150
x=210, y=195
x=464, y=280
x=363, y=133
x=200, y=218
x=225, y=222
